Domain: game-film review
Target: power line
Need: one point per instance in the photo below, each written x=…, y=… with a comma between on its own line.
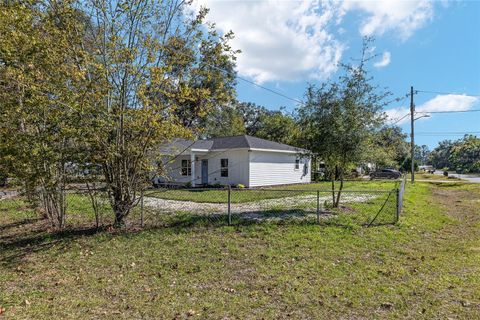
x=400, y=119
x=443, y=135
x=395, y=121
x=258, y=85
x=446, y=132
x=449, y=111
x=398, y=99
x=272, y=91
x=439, y=92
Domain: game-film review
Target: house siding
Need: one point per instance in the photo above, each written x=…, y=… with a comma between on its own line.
x=237, y=168
x=173, y=171
x=275, y=168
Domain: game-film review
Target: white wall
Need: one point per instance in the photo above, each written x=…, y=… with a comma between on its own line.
x=237, y=168
x=273, y=168
x=250, y=168
x=174, y=171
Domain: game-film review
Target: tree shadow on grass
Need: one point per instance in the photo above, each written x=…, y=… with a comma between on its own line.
x=190, y=220
x=37, y=236
x=187, y=221
x=15, y=247
x=15, y=224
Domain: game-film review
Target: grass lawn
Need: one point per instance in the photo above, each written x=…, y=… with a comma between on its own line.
x=427, y=266
x=252, y=195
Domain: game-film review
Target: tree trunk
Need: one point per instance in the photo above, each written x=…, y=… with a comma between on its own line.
x=92, y=192
x=333, y=190
x=122, y=203
x=337, y=203
x=54, y=204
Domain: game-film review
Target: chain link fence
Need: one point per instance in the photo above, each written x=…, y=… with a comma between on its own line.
x=232, y=206
x=245, y=206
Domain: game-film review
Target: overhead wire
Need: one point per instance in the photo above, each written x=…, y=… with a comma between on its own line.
x=452, y=93
x=399, y=119
x=449, y=111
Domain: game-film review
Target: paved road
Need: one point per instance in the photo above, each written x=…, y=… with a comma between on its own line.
x=468, y=177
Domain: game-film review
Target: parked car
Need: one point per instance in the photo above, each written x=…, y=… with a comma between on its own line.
x=386, y=174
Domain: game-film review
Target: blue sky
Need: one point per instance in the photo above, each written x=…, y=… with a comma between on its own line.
x=433, y=46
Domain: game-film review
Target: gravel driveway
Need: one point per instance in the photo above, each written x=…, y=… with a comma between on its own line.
x=251, y=210
x=6, y=194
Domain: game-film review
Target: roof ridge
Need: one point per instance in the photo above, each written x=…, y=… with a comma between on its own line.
x=281, y=143
x=237, y=135
x=246, y=137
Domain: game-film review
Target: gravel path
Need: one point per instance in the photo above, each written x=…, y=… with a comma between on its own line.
x=7, y=194
x=251, y=210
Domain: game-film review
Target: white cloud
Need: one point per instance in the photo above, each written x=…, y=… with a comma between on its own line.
x=293, y=40
x=448, y=102
x=402, y=17
x=386, y=57
x=280, y=40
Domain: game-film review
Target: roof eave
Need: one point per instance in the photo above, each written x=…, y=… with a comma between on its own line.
x=278, y=150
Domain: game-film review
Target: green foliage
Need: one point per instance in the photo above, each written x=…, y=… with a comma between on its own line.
x=164, y=74
x=224, y=122
x=422, y=154
x=462, y=155
x=388, y=147
x=440, y=156
x=339, y=119
x=249, y=118
x=406, y=165
x=100, y=84
x=44, y=96
x=252, y=115
x=278, y=126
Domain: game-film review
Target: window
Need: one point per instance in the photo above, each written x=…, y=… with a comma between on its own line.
x=186, y=167
x=297, y=164
x=224, y=167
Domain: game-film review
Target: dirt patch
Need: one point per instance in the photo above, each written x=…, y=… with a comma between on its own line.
x=459, y=204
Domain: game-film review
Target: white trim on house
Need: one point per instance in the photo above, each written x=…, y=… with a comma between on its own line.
x=273, y=150
x=270, y=164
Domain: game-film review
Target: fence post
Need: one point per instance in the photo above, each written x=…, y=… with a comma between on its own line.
x=400, y=192
x=141, y=208
x=398, y=206
x=318, y=206
x=229, y=209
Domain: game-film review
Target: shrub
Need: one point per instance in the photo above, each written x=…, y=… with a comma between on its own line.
x=240, y=186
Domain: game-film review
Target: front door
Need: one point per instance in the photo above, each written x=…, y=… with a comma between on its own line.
x=205, y=172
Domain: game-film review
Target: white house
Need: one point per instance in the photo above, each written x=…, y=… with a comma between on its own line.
x=244, y=159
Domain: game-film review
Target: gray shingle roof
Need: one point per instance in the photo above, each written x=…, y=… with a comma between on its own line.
x=235, y=142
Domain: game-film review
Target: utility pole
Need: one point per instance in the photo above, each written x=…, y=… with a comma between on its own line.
x=412, y=134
